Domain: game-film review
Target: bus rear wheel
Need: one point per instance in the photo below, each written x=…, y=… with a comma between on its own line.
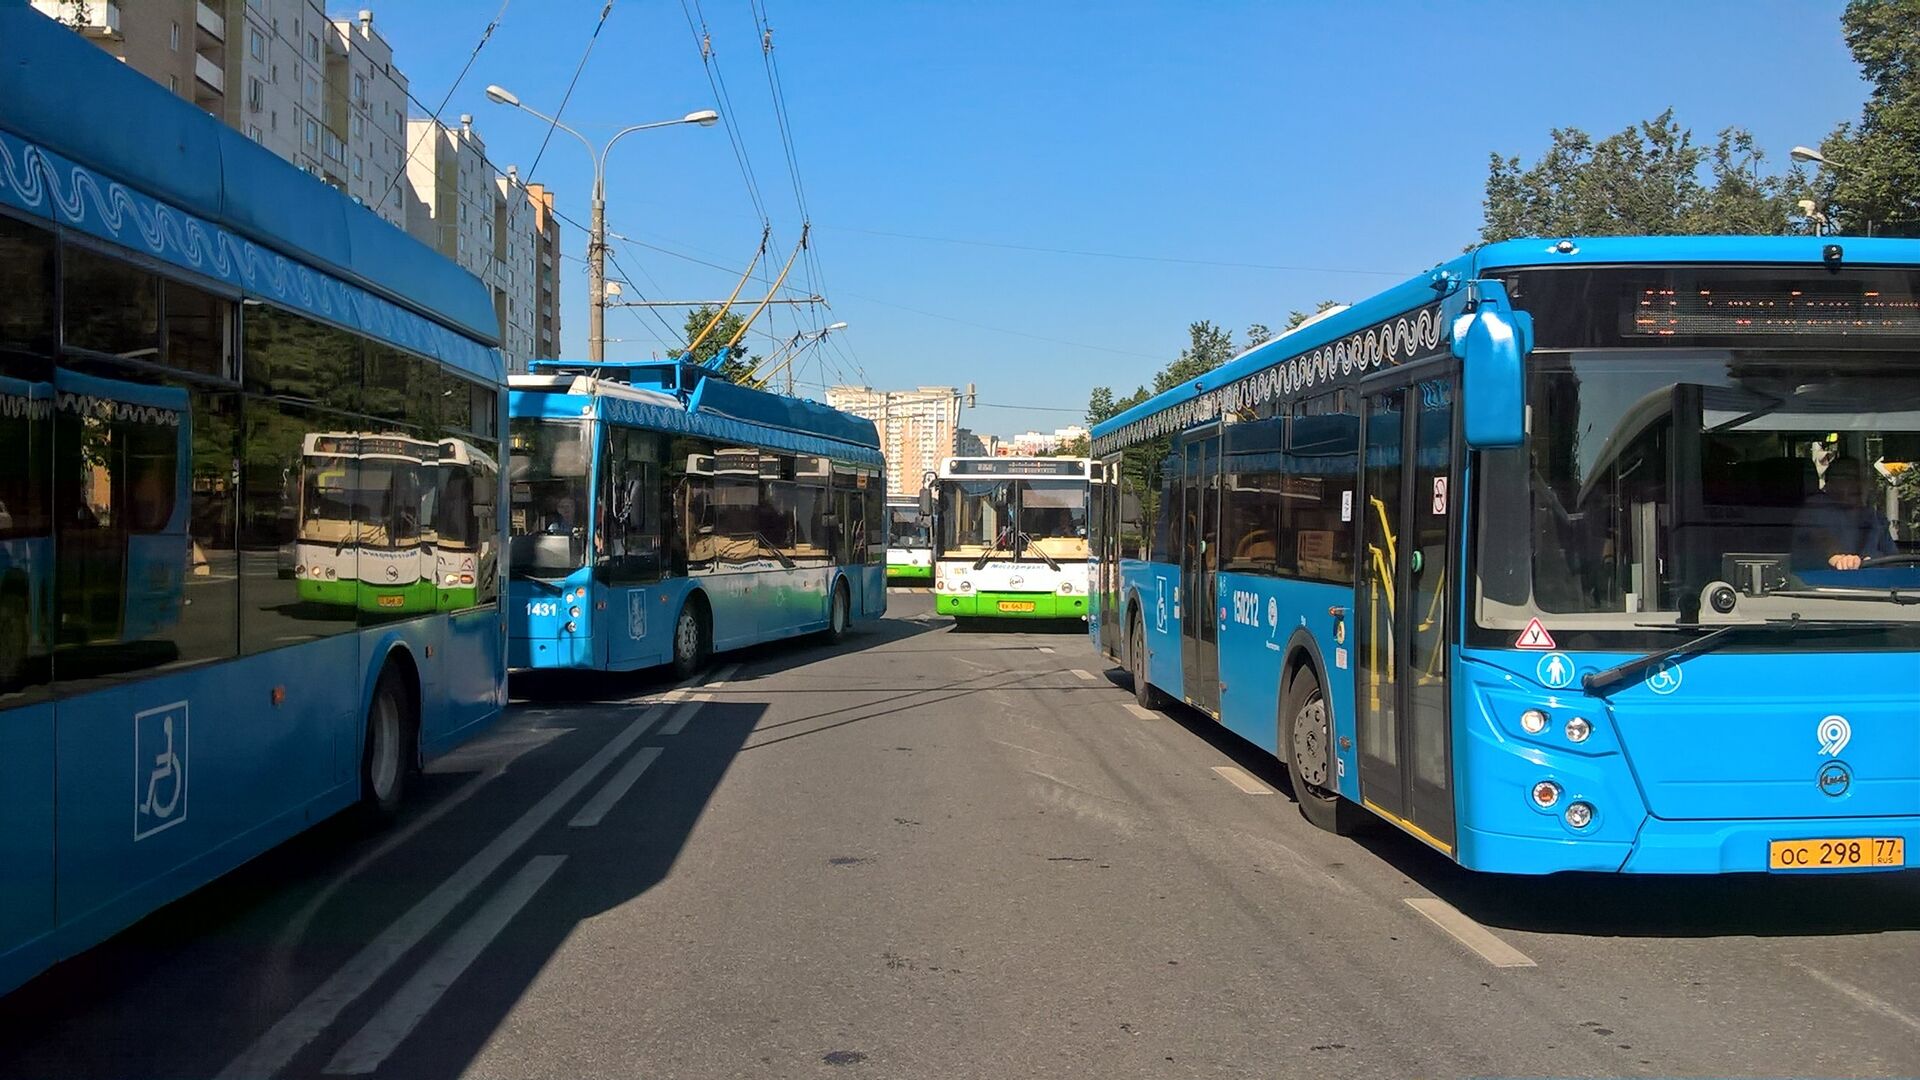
x=839, y=612
x=385, y=753
x=1144, y=691
x=1306, y=742
x=689, y=641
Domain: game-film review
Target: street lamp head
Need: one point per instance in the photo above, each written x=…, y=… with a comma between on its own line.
x=500, y=95
x=1807, y=153
x=705, y=118
x=837, y=326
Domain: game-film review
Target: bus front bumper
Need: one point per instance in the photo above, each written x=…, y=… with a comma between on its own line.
x=1011, y=605
x=565, y=651
x=1686, y=847
x=902, y=572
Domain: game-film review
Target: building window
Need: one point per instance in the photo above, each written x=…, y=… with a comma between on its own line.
x=256, y=44
x=175, y=37
x=359, y=167
x=313, y=132
x=173, y=83
x=253, y=133
x=313, y=48
x=359, y=125
x=313, y=89
x=360, y=90
x=256, y=94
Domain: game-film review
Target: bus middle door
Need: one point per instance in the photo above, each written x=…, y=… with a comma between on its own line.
x=1199, y=615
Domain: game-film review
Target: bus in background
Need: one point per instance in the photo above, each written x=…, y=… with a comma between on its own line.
x=1595, y=554
x=1011, y=541
x=660, y=513
x=366, y=510
x=466, y=555
x=169, y=706
x=909, y=543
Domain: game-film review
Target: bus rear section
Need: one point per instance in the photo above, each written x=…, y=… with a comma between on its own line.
x=1012, y=538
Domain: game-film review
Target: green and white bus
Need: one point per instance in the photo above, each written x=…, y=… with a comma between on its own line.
x=1011, y=537
x=909, y=543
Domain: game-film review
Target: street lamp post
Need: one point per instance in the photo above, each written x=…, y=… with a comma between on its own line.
x=1821, y=161
x=597, y=237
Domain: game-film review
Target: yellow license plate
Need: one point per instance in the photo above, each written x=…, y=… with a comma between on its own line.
x=393, y=601
x=1016, y=605
x=1837, y=854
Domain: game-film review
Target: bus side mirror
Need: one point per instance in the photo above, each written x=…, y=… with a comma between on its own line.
x=926, y=502
x=1493, y=340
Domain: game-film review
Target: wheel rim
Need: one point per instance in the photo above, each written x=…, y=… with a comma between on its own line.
x=686, y=637
x=1310, y=743
x=1137, y=653
x=384, y=767
x=839, y=611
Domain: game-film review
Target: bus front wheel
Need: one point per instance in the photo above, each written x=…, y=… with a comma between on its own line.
x=689, y=641
x=384, y=756
x=1306, y=741
x=1144, y=691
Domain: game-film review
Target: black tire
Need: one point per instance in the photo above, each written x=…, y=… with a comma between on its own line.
x=1144, y=692
x=1306, y=745
x=839, y=612
x=387, y=753
x=691, y=640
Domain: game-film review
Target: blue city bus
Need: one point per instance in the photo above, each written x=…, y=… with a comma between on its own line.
x=179, y=311
x=1587, y=554
x=660, y=513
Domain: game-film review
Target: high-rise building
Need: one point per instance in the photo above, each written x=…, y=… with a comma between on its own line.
x=917, y=427
x=481, y=219
x=546, y=272
x=180, y=44
x=1040, y=444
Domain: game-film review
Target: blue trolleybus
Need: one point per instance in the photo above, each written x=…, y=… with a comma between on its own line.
x=182, y=315
x=660, y=513
x=1567, y=555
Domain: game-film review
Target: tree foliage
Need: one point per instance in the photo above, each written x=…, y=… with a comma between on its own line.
x=1874, y=185
x=738, y=364
x=1295, y=318
x=1644, y=180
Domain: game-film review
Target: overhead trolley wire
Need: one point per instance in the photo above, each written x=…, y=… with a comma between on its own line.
x=485, y=35
x=605, y=10
x=716, y=82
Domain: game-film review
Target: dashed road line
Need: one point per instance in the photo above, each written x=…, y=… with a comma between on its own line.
x=292, y=1033
x=389, y=1027
x=616, y=789
x=1044, y=648
x=1469, y=933
x=1861, y=998
x=1085, y=674
x=1242, y=779
x=682, y=713
x=724, y=675
x=1140, y=711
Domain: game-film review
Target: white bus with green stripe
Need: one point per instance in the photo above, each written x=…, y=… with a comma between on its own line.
x=1010, y=539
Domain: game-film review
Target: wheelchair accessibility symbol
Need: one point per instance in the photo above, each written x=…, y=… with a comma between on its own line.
x=159, y=769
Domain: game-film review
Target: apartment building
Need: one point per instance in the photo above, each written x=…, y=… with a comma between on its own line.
x=917, y=427
x=1041, y=444
x=180, y=44
x=479, y=218
x=546, y=272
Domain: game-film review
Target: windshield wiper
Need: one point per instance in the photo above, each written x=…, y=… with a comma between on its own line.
x=981, y=562
x=1026, y=543
x=1600, y=682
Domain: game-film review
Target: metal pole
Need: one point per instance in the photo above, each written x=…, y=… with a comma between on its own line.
x=597, y=271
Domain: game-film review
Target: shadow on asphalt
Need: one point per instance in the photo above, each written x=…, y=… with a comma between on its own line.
x=1612, y=905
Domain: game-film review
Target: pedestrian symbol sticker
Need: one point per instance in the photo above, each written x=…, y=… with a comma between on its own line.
x=1535, y=636
x=159, y=769
x=1664, y=678
x=1556, y=671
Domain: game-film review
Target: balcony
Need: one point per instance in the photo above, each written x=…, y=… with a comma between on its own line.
x=210, y=74
x=210, y=22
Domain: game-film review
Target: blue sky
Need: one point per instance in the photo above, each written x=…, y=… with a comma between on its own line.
x=1346, y=141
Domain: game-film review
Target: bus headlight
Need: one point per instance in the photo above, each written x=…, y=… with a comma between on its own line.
x=1580, y=815
x=332, y=574
x=573, y=611
x=1577, y=731
x=966, y=586
x=1533, y=721
x=569, y=627
x=1066, y=588
x=1545, y=794
x=299, y=571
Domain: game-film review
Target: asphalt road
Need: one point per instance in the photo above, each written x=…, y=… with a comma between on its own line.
x=937, y=854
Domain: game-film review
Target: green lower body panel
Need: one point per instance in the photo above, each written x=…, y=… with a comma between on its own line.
x=408, y=599
x=909, y=573
x=1010, y=605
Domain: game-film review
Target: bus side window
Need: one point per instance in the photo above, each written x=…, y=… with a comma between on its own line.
x=630, y=509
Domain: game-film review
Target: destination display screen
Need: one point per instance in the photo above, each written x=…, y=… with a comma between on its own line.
x=1788, y=308
x=1018, y=467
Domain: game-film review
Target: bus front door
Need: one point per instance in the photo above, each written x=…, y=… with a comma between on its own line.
x=1403, y=618
x=1199, y=624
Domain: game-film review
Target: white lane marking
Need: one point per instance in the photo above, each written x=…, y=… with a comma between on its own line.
x=1861, y=997
x=1045, y=648
x=1087, y=675
x=383, y=1034
x=683, y=713
x=724, y=675
x=1469, y=933
x=1242, y=779
x=293, y=1032
x=1141, y=711
x=614, y=790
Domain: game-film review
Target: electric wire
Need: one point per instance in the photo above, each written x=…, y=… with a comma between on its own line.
x=605, y=10
x=485, y=35
x=716, y=82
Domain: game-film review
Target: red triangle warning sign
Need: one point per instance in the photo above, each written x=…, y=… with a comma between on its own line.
x=1534, y=636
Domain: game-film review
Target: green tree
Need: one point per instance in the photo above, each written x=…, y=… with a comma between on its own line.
x=1258, y=335
x=1079, y=447
x=1644, y=180
x=737, y=365
x=1208, y=347
x=1874, y=185
x=1295, y=318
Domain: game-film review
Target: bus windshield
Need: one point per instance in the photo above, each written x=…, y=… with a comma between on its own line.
x=1680, y=486
x=976, y=515
x=341, y=490
x=548, y=526
x=1053, y=515
x=907, y=529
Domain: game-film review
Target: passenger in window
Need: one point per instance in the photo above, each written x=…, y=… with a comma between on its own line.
x=1838, y=528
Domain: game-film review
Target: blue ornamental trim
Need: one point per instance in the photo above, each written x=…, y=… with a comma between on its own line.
x=660, y=418
x=1391, y=343
x=49, y=186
